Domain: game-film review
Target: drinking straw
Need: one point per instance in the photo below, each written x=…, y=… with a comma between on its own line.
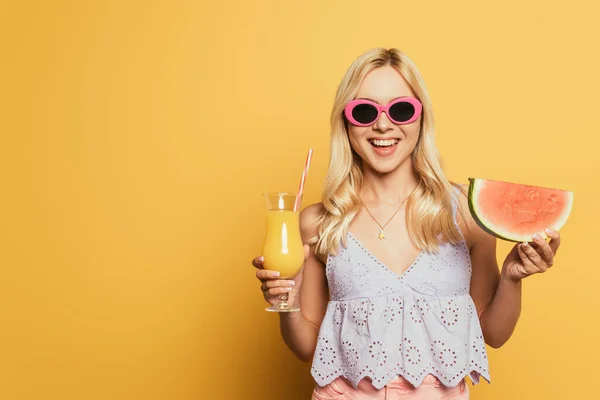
x=303, y=180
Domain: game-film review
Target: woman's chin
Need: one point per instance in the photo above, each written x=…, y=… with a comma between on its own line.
x=384, y=167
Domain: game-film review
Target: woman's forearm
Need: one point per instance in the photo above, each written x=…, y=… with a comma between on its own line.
x=499, y=319
x=299, y=334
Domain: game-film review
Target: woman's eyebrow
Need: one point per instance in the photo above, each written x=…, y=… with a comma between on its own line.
x=366, y=98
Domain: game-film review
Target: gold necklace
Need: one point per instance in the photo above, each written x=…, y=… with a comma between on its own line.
x=381, y=233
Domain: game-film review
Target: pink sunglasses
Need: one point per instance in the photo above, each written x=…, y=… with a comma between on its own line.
x=401, y=111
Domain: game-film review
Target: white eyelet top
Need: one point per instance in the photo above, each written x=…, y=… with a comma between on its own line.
x=380, y=324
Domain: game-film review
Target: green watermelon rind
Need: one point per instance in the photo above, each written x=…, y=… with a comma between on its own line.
x=475, y=184
x=474, y=212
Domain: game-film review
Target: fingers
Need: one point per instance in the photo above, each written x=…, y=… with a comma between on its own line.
x=265, y=274
x=554, y=239
x=544, y=250
x=258, y=262
x=266, y=285
x=277, y=291
x=532, y=261
x=527, y=267
x=275, y=287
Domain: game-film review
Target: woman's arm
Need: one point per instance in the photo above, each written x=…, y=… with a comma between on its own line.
x=300, y=330
x=497, y=295
x=497, y=298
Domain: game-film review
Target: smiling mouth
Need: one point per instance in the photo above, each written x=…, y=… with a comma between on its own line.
x=383, y=142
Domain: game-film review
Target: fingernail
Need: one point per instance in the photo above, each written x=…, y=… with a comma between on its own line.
x=275, y=274
x=287, y=289
x=524, y=244
x=261, y=259
x=536, y=236
x=291, y=283
x=550, y=230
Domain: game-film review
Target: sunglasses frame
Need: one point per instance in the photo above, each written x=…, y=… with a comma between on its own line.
x=385, y=108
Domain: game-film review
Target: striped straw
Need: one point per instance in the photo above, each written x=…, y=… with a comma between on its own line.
x=303, y=180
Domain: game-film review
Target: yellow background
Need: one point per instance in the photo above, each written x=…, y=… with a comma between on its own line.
x=138, y=136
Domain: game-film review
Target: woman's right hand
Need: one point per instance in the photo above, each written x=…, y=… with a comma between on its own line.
x=272, y=287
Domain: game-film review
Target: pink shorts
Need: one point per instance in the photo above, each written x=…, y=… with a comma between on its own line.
x=398, y=388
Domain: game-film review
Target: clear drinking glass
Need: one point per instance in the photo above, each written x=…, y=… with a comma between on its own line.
x=283, y=249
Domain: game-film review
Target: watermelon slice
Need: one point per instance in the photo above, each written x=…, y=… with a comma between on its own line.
x=514, y=212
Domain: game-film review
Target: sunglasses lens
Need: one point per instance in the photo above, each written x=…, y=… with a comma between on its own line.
x=364, y=113
x=402, y=111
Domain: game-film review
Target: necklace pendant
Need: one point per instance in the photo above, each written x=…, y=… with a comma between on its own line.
x=381, y=234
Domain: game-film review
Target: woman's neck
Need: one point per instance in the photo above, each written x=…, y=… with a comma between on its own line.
x=388, y=188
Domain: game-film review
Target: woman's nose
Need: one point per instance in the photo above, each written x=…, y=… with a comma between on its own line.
x=383, y=123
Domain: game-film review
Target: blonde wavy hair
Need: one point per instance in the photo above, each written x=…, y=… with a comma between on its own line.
x=428, y=209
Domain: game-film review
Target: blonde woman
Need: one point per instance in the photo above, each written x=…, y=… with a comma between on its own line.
x=400, y=290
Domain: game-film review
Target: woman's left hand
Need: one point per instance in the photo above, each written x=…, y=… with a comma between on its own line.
x=531, y=258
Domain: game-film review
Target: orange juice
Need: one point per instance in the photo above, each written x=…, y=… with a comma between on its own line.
x=283, y=250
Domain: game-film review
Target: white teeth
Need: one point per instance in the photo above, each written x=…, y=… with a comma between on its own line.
x=384, y=143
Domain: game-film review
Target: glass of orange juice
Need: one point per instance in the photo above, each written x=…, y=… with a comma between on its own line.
x=283, y=250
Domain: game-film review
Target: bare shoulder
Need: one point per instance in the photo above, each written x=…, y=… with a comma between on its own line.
x=308, y=219
x=309, y=228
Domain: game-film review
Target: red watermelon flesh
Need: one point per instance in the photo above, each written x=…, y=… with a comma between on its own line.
x=514, y=212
